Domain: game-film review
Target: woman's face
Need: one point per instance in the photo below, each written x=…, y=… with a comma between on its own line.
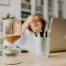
x=36, y=25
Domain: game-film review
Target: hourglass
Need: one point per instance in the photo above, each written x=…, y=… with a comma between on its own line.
x=11, y=33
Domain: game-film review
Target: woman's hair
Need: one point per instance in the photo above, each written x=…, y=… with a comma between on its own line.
x=40, y=17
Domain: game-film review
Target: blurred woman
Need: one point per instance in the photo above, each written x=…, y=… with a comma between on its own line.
x=33, y=34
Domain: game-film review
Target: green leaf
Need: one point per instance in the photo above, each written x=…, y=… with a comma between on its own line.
x=8, y=16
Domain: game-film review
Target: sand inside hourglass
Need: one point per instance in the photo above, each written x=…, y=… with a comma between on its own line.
x=12, y=38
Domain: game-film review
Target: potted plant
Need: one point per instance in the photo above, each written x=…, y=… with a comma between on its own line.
x=9, y=17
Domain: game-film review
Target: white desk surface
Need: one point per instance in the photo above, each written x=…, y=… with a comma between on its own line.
x=28, y=59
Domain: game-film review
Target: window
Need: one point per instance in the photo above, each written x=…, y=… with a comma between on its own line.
x=25, y=14
x=25, y=9
x=42, y=2
x=60, y=12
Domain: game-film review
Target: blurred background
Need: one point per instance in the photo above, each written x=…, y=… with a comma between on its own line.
x=21, y=9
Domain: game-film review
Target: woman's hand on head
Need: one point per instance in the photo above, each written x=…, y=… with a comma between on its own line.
x=27, y=23
x=29, y=19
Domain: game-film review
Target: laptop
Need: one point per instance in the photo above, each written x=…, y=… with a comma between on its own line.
x=58, y=35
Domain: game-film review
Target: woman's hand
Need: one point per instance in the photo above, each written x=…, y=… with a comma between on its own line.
x=29, y=19
x=26, y=23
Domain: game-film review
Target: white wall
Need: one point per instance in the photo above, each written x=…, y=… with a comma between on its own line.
x=45, y=10
x=33, y=5
x=55, y=8
x=14, y=9
x=64, y=9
